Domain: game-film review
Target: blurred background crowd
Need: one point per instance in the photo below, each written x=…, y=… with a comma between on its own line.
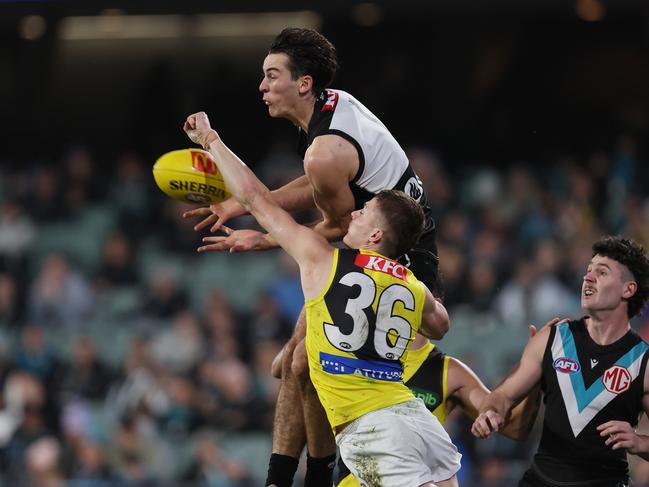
x=126, y=359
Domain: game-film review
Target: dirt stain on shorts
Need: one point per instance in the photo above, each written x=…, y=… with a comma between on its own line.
x=368, y=470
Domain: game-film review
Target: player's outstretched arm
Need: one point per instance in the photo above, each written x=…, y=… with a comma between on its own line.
x=294, y=196
x=522, y=417
x=496, y=407
x=305, y=246
x=468, y=391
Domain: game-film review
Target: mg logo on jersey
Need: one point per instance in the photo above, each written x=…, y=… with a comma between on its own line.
x=381, y=264
x=616, y=379
x=203, y=163
x=566, y=365
x=332, y=101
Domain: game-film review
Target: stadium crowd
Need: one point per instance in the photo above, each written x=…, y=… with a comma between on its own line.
x=126, y=359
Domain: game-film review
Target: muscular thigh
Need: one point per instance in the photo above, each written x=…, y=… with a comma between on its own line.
x=285, y=356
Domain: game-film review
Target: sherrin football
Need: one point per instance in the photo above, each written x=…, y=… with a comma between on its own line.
x=190, y=175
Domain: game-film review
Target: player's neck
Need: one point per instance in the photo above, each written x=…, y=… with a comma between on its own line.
x=302, y=113
x=376, y=248
x=606, y=327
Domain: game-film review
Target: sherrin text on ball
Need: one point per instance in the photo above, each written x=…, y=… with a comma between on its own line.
x=190, y=175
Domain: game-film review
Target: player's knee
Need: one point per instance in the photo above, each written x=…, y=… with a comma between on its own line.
x=276, y=366
x=300, y=363
x=300, y=368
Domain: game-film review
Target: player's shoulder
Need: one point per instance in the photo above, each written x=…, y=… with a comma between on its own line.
x=331, y=155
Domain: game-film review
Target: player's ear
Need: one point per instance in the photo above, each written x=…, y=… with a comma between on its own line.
x=630, y=287
x=376, y=236
x=304, y=84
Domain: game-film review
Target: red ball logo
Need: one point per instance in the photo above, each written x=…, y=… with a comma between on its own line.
x=203, y=163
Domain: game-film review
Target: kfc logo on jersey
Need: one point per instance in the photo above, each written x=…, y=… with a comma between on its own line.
x=381, y=264
x=332, y=101
x=616, y=379
x=203, y=163
x=566, y=365
x=414, y=188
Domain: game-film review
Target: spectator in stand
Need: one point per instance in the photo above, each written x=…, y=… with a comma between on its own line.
x=82, y=186
x=131, y=195
x=118, y=267
x=59, y=294
x=179, y=349
x=42, y=196
x=17, y=232
x=211, y=467
x=11, y=301
x=42, y=463
x=85, y=377
x=164, y=295
x=90, y=467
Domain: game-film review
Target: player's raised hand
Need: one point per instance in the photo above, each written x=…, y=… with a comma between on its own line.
x=198, y=129
x=486, y=423
x=236, y=241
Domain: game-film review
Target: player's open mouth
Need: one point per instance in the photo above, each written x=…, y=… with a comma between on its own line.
x=589, y=292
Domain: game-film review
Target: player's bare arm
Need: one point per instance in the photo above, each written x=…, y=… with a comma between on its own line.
x=466, y=390
x=310, y=250
x=296, y=195
x=497, y=406
x=330, y=164
x=620, y=434
x=434, y=320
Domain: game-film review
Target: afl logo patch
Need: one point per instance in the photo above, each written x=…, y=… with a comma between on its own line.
x=566, y=365
x=616, y=379
x=414, y=188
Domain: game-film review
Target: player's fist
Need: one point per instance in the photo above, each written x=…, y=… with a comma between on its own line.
x=486, y=423
x=198, y=129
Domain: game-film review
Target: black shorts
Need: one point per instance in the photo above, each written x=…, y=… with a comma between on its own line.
x=424, y=264
x=533, y=478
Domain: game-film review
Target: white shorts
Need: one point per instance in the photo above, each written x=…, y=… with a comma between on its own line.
x=399, y=446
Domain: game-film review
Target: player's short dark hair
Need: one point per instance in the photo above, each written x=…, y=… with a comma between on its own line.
x=633, y=256
x=405, y=221
x=309, y=52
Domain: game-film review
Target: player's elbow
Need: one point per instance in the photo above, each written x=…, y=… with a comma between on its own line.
x=443, y=326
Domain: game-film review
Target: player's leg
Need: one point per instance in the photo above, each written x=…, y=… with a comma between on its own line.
x=276, y=366
x=321, y=446
x=289, y=435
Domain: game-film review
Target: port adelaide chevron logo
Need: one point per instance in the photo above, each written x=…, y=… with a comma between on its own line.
x=583, y=402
